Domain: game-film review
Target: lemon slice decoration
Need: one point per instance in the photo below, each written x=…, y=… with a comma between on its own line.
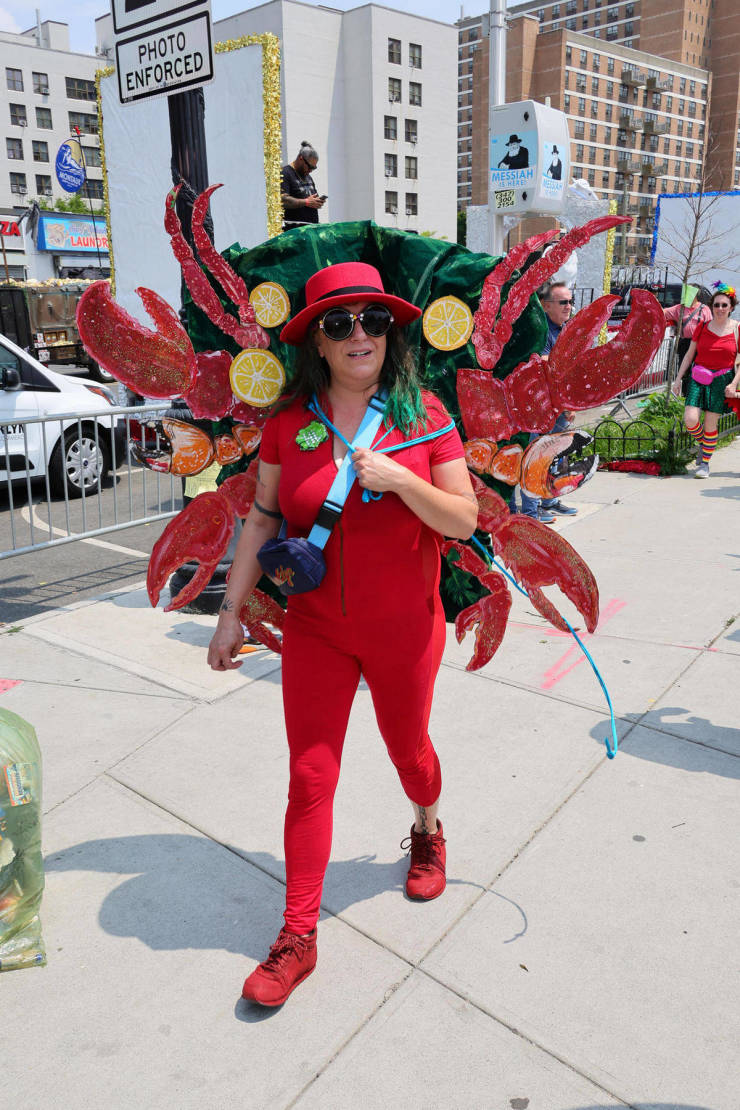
x=270, y=303
x=257, y=377
x=447, y=323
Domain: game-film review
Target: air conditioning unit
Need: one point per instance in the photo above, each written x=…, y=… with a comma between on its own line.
x=44, y=90
x=21, y=190
x=394, y=99
x=388, y=173
x=393, y=209
x=410, y=212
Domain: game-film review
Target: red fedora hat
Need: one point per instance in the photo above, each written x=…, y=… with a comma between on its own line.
x=344, y=283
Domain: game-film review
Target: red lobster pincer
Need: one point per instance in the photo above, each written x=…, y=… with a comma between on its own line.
x=246, y=331
x=530, y=551
x=576, y=376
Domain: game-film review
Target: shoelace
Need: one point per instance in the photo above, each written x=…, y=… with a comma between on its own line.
x=424, y=849
x=284, y=947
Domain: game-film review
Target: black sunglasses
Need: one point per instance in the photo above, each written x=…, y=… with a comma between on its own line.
x=339, y=323
x=564, y=302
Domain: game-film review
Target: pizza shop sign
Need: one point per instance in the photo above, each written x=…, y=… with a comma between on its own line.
x=9, y=227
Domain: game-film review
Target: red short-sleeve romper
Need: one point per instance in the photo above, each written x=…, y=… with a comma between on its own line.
x=377, y=614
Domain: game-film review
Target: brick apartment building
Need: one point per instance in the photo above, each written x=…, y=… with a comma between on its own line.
x=642, y=102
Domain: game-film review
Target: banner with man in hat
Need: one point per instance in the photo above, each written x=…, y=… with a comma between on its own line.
x=513, y=160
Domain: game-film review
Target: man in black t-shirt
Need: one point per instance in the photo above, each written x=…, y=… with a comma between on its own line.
x=300, y=198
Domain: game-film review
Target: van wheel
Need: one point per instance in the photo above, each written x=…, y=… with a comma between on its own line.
x=78, y=461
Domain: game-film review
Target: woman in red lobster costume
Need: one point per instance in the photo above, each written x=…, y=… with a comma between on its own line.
x=382, y=570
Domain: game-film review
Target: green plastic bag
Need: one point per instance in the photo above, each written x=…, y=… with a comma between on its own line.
x=21, y=863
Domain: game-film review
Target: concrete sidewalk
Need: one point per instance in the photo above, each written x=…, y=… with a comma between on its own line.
x=585, y=953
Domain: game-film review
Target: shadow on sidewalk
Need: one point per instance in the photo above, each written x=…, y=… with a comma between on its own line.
x=707, y=741
x=637, y=1106
x=189, y=892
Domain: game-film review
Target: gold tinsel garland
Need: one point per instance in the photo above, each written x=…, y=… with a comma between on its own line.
x=99, y=74
x=271, y=125
x=608, y=260
x=271, y=118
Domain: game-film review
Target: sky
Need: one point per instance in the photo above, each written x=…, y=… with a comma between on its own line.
x=19, y=15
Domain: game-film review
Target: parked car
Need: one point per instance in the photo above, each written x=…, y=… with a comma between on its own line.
x=76, y=451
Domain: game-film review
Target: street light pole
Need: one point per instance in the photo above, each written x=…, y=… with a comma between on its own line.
x=496, y=96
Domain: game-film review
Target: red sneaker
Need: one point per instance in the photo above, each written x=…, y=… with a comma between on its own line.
x=426, y=877
x=291, y=960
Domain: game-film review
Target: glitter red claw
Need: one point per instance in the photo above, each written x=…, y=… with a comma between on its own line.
x=576, y=375
x=157, y=363
x=248, y=333
x=537, y=557
x=200, y=532
x=256, y=613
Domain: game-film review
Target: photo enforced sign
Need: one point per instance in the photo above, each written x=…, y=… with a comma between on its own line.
x=166, y=59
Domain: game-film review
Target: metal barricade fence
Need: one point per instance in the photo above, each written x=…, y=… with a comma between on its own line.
x=39, y=518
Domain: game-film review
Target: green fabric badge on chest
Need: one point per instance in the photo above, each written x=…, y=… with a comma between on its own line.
x=309, y=438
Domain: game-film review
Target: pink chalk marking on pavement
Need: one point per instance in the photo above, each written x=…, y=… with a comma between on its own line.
x=558, y=671
x=8, y=684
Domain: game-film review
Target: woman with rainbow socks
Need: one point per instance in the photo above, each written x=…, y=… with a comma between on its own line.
x=715, y=373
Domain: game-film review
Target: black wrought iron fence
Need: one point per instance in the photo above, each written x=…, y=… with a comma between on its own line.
x=637, y=439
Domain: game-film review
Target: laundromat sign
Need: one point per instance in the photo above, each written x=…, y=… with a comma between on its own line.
x=69, y=234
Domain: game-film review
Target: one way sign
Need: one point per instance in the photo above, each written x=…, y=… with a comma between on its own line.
x=162, y=46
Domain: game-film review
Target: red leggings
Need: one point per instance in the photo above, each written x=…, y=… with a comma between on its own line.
x=322, y=664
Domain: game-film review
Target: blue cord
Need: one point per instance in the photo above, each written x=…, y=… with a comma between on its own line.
x=610, y=751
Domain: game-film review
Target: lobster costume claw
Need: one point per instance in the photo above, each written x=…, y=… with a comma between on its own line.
x=202, y=532
x=575, y=376
x=157, y=363
x=537, y=557
x=256, y=613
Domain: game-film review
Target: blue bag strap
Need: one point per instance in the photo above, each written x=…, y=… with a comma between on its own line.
x=331, y=509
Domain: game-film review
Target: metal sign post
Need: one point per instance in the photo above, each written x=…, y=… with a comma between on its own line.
x=496, y=96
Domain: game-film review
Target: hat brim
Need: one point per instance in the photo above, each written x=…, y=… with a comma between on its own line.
x=296, y=329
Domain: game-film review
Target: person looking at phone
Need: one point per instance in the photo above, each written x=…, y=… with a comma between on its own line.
x=300, y=197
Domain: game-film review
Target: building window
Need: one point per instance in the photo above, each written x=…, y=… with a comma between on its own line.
x=594, y=86
x=607, y=111
x=415, y=93
x=14, y=148
x=605, y=181
x=584, y=58
x=596, y=62
x=592, y=129
x=571, y=7
x=394, y=51
x=95, y=188
x=566, y=79
x=391, y=165
x=43, y=185
x=579, y=152
x=592, y=177
x=679, y=127
x=18, y=184
x=411, y=131
x=412, y=165
x=580, y=129
x=610, y=65
x=607, y=135
x=390, y=127
x=607, y=159
x=79, y=89
x=541, y=14
x=40, y=151
x=40, y=83
x=580, y=82
x=92, y=156
x=682, y=85
x=581, y=105
x=394, y=90
x=689, y=128
x=592, y=154
x=570, y=24
x=14, y=78
x=568, y=55
x=555, y=11
x=43, y=119
x=415, y=55
x=391, y=202
x=669, y=104
x=595, y=108
x=18, y=115
x=628, y=30
x=412, y=204
x=584, y=22
x=566, y=102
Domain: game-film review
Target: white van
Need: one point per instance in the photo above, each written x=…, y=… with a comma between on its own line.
x=76, y=454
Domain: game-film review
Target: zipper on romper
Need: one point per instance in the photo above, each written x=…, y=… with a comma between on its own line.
x=341, y=567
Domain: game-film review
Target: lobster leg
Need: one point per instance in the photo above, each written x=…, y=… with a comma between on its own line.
x=256, y=613
x=202, y=532
x=486, y=617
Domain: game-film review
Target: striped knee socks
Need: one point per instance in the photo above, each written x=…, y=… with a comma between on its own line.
x=695, y=430
x=708, y=444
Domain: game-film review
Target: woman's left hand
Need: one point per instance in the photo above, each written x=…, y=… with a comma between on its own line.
x=376, y=471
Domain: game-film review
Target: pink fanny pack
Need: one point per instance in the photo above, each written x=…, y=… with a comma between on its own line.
x=702, y=376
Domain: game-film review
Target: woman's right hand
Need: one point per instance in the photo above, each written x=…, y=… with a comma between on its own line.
x=227, y=640
x=676, y=386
